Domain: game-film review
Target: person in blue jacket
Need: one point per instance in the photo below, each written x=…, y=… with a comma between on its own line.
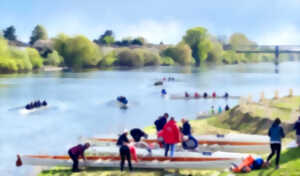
x=276, y=133
x=189, y=142
x=297, y=128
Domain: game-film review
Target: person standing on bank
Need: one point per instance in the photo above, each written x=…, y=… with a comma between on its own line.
x=76, y=152
x=276, y=133
x=297, y=128
x=123, y=143
x=171, y=135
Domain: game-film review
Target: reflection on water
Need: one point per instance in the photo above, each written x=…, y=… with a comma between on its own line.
x=84, y=105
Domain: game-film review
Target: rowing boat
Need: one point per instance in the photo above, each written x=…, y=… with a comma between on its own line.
x=242, y=143
x=25, y=111
x=179, y=97
x=217, y=160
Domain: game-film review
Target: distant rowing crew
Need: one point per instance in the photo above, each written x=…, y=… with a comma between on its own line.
x=197, y=95
x=36, y=104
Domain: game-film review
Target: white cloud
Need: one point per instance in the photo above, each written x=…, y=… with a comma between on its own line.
x=170, y=31
x=287, y=35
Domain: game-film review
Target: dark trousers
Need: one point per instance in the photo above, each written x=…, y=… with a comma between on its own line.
x=75, y=161
x=125, y=153
x=275, y=148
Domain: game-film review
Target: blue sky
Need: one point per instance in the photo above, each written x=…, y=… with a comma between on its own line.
x=265, y=21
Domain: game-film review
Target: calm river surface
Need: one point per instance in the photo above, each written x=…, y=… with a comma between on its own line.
x=82, y=104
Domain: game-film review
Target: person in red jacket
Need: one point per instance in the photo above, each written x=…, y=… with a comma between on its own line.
x=171, y=135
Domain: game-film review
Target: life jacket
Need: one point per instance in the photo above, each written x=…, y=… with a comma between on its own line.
x=244, y=166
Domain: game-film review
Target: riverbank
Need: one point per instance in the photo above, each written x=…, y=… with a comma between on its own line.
x=238, y=120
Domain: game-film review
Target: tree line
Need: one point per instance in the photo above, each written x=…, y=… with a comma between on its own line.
x=197, y=47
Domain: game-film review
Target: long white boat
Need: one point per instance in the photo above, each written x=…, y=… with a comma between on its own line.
x=191, y=97
x=217, y=160
x=25, y=111
x=242, y=143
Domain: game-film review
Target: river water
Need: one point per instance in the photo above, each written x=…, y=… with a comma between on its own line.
x=83, y=104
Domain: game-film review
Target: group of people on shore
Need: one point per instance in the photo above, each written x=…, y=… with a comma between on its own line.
x=169, y=134
x=36, y=104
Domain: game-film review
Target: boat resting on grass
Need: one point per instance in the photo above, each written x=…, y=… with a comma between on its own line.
x=216, y=161
x=183, y=97
x=242, y=143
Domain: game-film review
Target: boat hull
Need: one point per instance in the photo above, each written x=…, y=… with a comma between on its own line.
x=218, y=163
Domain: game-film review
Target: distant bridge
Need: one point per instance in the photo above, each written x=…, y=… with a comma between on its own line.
x=271, y=49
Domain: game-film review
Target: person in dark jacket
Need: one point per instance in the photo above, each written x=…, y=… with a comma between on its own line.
x=186, y=127
x=123, y=142
x=161, y=121
x=205, y=95
x=276, y=133
x=227, y=108
x=75, y=152
x=137, y=134
x=123, y=139
x=297, y=128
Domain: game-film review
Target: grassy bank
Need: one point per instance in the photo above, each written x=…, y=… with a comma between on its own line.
x=252, y=118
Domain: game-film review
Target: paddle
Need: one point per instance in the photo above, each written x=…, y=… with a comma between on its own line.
x=16, y=108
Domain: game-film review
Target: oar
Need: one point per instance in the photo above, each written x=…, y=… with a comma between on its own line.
x=16, y=108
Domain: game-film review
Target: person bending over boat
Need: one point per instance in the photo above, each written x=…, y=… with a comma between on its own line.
x=123, y=142
x=161, y=121
x=171, y=136
x=297, y=128
x=76, y=152
x=276, y=133
x=137, y=134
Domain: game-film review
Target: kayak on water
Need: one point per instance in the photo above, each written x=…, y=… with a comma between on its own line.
x=242, y=143
x=188, y=160
x=123, y=102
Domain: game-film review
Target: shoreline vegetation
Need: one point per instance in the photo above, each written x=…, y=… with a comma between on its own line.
x=253, y=120
x=197, y=47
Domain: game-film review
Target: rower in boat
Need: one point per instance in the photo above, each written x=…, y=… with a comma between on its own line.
x=226, y=96
x=205, y=95
x=163, y=92
x=186, y=94
x=76, y=152
x=196, y=95
x=122, y=100
x=158, y=83
x=214, y=95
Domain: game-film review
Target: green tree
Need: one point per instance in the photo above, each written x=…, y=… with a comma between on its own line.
x=215, y=53
x=35, y=58
x=197, y=39
x=38, y=33
x=106, y=39
x=10, y=33
x=181, y=54
x=54, y=59
x=109, y=60
x=240, y=40
x=130, y=58
x=78, y=52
